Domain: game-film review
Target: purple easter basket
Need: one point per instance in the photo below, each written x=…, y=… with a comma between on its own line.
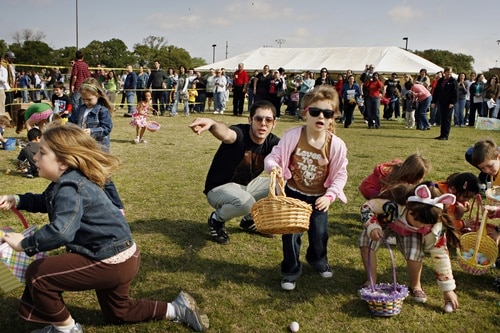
x=384, y=299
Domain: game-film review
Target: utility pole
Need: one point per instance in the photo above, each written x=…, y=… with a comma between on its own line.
x=213, y=54
x=406, y=46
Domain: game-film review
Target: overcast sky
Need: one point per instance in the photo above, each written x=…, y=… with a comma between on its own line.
x=460, y=26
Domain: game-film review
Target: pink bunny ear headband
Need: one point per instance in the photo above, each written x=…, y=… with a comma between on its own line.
x=423, y=195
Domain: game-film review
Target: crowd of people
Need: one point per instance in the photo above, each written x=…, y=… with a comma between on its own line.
x=422, y=215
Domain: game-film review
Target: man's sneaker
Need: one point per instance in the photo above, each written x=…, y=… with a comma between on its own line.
x=287, y=285
x=217, y=230
x=52, y=329
x=418, y=295
x=327, y=272
x=187, y=312
x=249, y=226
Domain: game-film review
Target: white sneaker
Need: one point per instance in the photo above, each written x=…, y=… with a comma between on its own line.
x=216, y=112
x=51, y=329
x=326, y=273
x=222, y=112
x=287, y=285
x=136, y=140
x=187, y=312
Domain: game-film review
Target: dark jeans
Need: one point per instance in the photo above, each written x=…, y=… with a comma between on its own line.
x=140, y=94
x=348, y=112
x=291, y=268
x=47, y=279
x=474, y=107
x=201, y=101
x=446, y=113
x=373, y=111
x=112, y=193
x=158, y=100
x=238, y=100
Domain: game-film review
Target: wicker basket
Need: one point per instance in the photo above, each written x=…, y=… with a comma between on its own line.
x=278, y=214
x=493, y=196
x=384, y=299
x=480, y=242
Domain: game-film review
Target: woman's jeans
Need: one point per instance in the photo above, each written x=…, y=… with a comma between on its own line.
x=459, y=113
x=373, y=111
x=176, y=105
x=219, y=101
x=421, y=113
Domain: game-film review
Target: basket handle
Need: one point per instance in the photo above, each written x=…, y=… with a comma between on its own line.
x=481, y=232
x=394, y=283
x=275, y=180
x=21, y=217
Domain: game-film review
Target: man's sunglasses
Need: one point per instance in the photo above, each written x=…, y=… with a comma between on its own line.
x=259, y=119
x=314, y=112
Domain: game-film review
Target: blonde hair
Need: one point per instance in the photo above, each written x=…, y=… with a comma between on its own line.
x=75, y=148
x=323, y=93
x=93, y=87
x=4, y=121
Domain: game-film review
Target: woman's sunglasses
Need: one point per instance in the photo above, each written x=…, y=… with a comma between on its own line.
x=314, y=112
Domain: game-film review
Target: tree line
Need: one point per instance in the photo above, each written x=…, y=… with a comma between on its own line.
x=30, y=48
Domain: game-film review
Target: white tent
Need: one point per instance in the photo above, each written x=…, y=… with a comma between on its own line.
x=335, y=59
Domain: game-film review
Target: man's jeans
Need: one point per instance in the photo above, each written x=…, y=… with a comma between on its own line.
x=232, y=200
x=130, y=95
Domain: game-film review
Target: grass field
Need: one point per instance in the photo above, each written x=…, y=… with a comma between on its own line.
x=161, y=184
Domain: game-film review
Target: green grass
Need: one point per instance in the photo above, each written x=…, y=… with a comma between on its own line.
x=161, y=184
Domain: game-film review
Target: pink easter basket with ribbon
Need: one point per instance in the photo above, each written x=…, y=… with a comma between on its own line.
x=153, y=126
x=13, y=264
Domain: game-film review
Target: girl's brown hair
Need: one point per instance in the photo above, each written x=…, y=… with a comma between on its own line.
x=412, y=171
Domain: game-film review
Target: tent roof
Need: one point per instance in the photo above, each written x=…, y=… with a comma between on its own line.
x=335, y=59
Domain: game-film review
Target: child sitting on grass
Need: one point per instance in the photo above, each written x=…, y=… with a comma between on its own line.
x=25, y=158
x=4, y=123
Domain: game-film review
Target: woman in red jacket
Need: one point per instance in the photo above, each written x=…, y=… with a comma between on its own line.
x=373, y=85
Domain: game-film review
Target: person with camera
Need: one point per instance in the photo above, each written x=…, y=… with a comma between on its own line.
x=372, y=88
x=392, y=90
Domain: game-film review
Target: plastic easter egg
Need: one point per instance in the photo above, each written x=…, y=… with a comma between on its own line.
x=448, y=307
x=294, y=326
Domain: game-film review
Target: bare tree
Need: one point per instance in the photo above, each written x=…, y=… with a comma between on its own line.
x=28, y=35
